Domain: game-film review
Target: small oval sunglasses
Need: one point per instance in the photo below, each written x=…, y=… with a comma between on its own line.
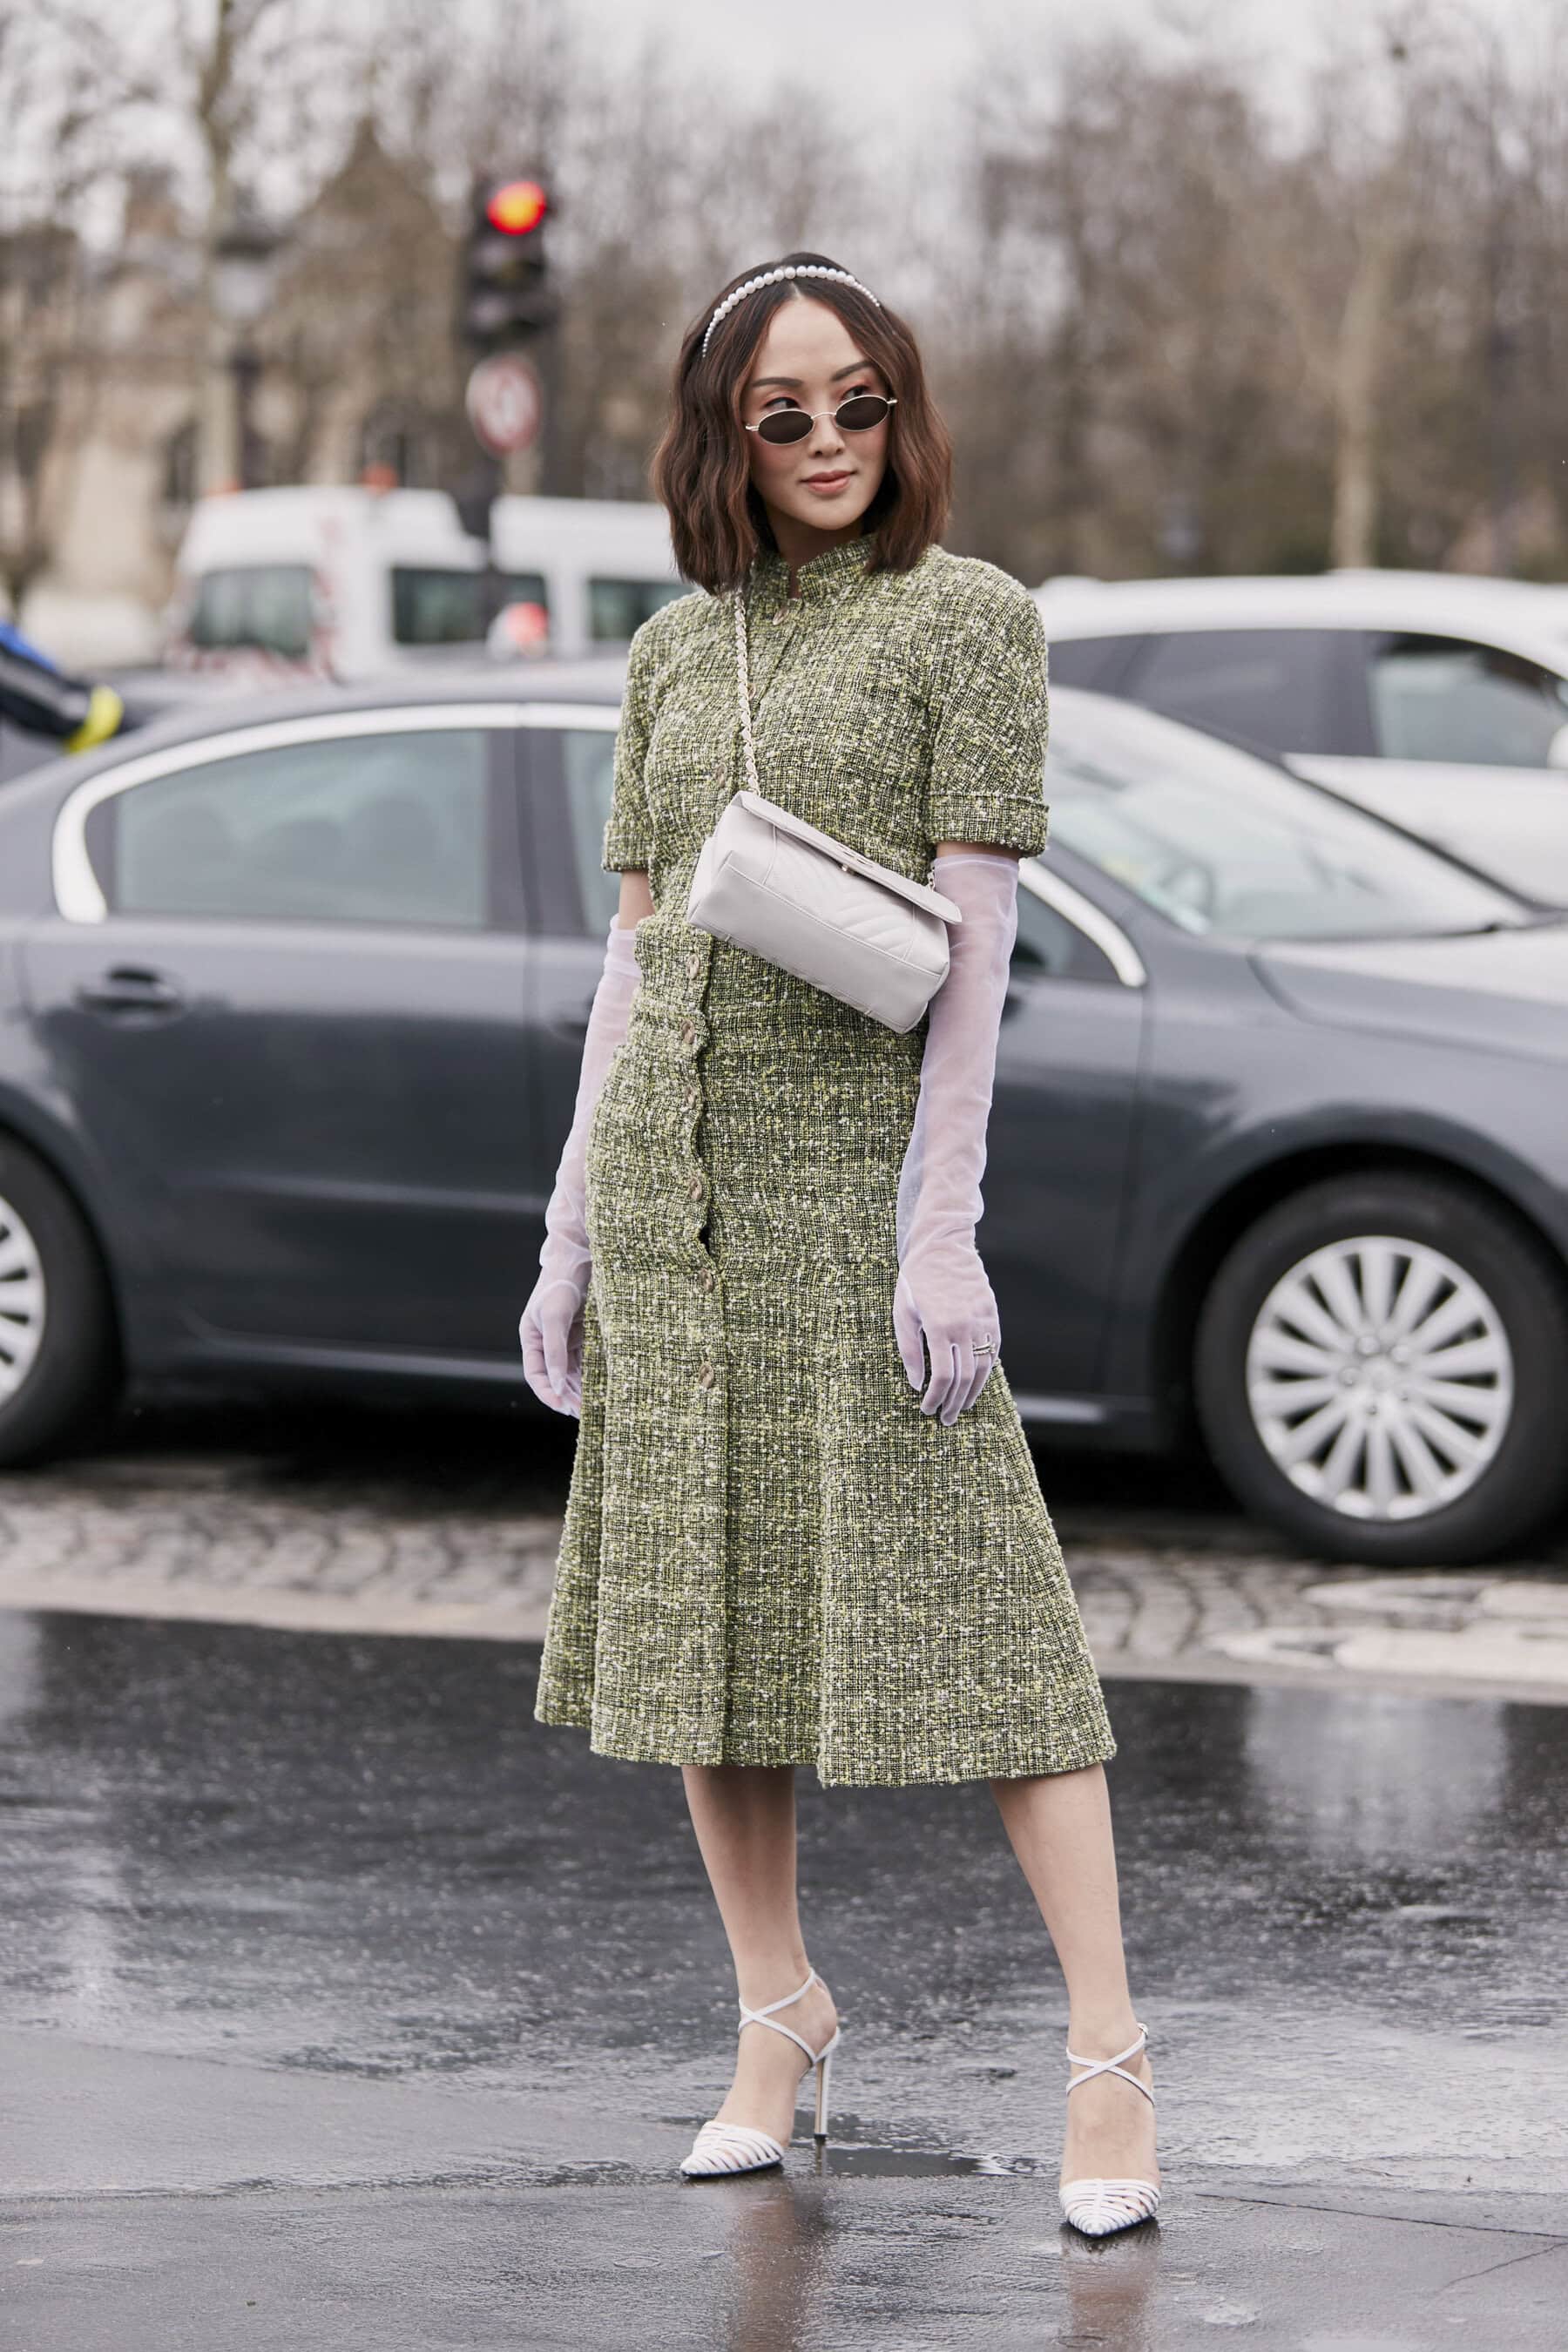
x=856, y=414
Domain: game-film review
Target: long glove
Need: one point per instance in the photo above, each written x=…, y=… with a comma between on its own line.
x=551, y=1330
x=943, y=1293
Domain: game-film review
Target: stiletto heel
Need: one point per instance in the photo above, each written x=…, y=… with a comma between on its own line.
x=741, y=2148
x=1100, y=2207
x=824, y=2068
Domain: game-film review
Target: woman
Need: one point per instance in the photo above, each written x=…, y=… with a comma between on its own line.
x=787, y=1542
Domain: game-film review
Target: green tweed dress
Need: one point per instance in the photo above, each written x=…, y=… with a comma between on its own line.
x=770, y=1555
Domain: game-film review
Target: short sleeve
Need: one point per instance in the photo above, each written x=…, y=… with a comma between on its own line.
x=989, y=701
x=629, y=835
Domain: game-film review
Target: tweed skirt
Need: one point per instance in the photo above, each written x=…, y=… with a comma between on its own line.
x=771, y=1555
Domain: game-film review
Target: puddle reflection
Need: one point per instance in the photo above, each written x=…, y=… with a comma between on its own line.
x=1110, y=2284
x=1388, y=1775
x=777, y=2232
x=869, y=2163
x=21, y=1646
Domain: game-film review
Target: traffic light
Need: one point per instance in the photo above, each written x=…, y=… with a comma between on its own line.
x=506, y=296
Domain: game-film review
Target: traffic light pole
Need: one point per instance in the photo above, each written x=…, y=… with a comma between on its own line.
x=479, y=489
x=546, y=355
x=475, y=496
x=507, y=306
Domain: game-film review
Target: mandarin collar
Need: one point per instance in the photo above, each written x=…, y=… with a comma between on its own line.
x=819, y=576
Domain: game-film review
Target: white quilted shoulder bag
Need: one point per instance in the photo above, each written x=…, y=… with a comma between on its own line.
x=769, y=882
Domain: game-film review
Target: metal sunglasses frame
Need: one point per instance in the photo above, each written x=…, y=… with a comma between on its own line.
x=890, y=400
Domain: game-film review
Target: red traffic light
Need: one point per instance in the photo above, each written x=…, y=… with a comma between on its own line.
x=516, y=206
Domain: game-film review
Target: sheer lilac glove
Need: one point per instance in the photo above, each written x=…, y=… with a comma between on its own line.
x=551, y=1330
x=943, y=1293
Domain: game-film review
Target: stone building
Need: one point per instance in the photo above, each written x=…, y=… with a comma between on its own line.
x=354, y=367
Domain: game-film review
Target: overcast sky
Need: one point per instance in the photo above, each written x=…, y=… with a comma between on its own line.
x=880, y=55
x=884, y=51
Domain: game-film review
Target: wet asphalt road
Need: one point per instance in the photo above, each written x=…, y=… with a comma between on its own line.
x=343, y=2006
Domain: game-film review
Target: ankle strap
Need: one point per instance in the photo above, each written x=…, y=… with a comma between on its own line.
x=756, y=2016
x=1112, y=2066
x=765, y=2017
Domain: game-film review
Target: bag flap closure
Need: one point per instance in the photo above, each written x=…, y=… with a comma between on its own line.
x=918, y=893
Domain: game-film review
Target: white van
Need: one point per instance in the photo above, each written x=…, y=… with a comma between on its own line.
x=350, y=583
x=589, y=570
x=324, y=583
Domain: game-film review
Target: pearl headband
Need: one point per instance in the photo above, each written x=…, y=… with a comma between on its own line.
x=771, y=277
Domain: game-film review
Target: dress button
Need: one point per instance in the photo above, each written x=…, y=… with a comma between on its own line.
x=694, y=1190
x=694, y=964
x=705, y=1377
x=708, y=1277
x=689, y=1035
x=693, y=1097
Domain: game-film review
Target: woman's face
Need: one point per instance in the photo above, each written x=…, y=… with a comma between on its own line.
x=808, y=359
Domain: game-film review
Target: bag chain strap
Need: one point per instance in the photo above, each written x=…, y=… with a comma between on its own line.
x=744, y=674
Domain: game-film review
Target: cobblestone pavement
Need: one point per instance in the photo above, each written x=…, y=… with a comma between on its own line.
x=451, y=1527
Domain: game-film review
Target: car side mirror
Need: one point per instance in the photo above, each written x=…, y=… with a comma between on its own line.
x=1557, y=749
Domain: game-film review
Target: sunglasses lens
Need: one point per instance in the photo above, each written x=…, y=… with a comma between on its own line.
x=859, y=413
x=785, y=424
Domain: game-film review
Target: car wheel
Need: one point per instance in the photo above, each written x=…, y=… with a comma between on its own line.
x=1380, y=1366
x=57, y=1353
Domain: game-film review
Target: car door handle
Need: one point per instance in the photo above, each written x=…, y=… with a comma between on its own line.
x=130, y=988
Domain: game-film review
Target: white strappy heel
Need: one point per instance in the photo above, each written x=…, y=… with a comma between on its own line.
x=1100, y=2207
x=741, y=2148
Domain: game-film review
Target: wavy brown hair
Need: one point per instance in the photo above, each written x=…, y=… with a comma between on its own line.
x=700, y=470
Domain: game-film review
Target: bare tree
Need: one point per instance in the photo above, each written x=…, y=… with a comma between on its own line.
x=1169, y=330
x=235, y=89
x=50, y=159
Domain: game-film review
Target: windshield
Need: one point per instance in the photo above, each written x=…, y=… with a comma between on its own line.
x=618, y=608
x=436, y=608
x=264, y=605
x=1223, y=844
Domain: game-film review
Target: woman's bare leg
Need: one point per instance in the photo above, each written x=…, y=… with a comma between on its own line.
x=744, y=1815
x=1060, y=1825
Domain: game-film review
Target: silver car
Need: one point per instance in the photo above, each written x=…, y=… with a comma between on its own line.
x=1437, y=700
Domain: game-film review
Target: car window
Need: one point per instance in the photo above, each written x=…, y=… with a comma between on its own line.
x=264, y=606
x=1274, y=686
x=1227, y=845
x=1050, y=947
x=616, y=608
x=1446, y=699
x=1089, y=661
x=527, y=588
x=362, y=829
x=432, y=607
x=588, y=757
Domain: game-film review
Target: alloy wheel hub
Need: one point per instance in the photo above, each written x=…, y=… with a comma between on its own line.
x=21, y=1300
x=1380, y=1377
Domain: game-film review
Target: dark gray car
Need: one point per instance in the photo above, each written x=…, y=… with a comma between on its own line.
x=291, y=1016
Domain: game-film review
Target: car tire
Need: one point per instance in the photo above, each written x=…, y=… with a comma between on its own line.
x=58, y=1356
x=1459, y=1465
